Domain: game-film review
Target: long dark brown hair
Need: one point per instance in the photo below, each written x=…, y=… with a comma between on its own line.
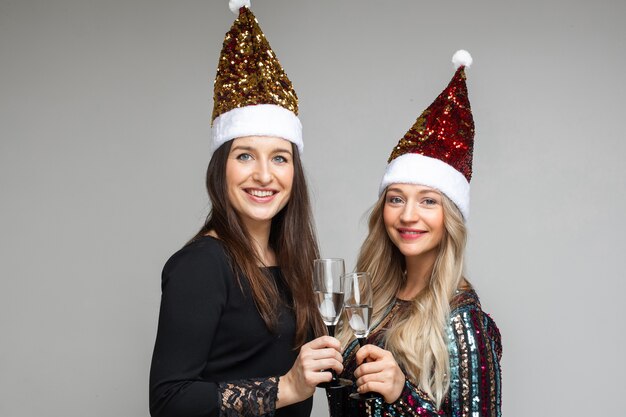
x=292, y=237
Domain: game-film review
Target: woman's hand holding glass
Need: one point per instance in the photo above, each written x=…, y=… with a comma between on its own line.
x=300, y=382
x=379, y=372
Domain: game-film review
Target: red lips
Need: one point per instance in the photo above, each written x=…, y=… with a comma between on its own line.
x=411, y=234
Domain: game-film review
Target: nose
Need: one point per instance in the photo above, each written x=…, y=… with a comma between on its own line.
x=410, y=213
x=262, y=173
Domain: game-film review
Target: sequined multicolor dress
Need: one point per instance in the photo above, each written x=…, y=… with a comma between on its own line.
x=475, y=350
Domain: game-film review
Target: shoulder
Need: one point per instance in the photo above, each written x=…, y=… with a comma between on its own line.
x=464, y=300
x=201, y=251
x=466, y=311
x=198, y=260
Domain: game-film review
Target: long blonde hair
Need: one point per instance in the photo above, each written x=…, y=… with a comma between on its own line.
x=418, y=340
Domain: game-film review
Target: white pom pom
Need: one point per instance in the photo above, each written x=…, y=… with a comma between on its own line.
x=462, y=58
x=235, y=5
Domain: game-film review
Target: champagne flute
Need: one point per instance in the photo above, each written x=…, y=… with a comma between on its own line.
x=358, y=306
x=358, y=303
x=328, y=287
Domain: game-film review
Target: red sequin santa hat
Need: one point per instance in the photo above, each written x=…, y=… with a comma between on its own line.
x=437, y=149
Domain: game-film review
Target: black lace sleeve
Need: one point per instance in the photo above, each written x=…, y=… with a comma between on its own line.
x=249, y=397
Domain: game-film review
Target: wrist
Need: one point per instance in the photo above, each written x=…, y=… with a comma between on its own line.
x=402, y=387
x=286, y=394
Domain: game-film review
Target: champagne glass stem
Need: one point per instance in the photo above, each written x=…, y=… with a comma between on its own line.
x=331, y=332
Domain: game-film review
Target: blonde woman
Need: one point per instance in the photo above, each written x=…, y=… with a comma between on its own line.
x=432, y=350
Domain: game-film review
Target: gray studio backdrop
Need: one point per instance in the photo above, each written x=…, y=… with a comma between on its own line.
x=104, y=127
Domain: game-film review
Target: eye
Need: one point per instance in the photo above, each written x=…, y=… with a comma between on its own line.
x=280, y=159
x=394, y=199
x=244, y=157
x=429, y=201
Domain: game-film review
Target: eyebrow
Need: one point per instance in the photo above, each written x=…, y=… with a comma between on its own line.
x=252, y=149
x=425, y=191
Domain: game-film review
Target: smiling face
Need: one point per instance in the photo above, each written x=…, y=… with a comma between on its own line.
x=259, y=177
x=413, y=217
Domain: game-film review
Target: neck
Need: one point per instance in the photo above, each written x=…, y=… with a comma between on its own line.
x=418, y=272
x=260, y=234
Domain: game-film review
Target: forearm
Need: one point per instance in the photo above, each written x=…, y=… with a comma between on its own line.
x=252, y=397
x=184, y=398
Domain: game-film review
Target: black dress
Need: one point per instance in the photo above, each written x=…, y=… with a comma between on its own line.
x=213, y=354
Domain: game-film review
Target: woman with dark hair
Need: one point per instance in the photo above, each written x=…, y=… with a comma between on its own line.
x=237, y=312
x=432, y=350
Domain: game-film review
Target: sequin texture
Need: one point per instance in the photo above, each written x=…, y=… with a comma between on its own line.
x=445, y=130
x=474, y=349
x=248, y=71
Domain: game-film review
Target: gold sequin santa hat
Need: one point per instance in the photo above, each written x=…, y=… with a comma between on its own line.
x=252, y=94
x=437, y=150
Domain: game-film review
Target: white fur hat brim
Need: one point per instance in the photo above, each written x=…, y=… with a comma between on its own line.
x=257, y=120
x=412, y=168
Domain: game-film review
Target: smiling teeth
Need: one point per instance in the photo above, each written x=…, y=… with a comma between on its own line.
x=259, y=193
